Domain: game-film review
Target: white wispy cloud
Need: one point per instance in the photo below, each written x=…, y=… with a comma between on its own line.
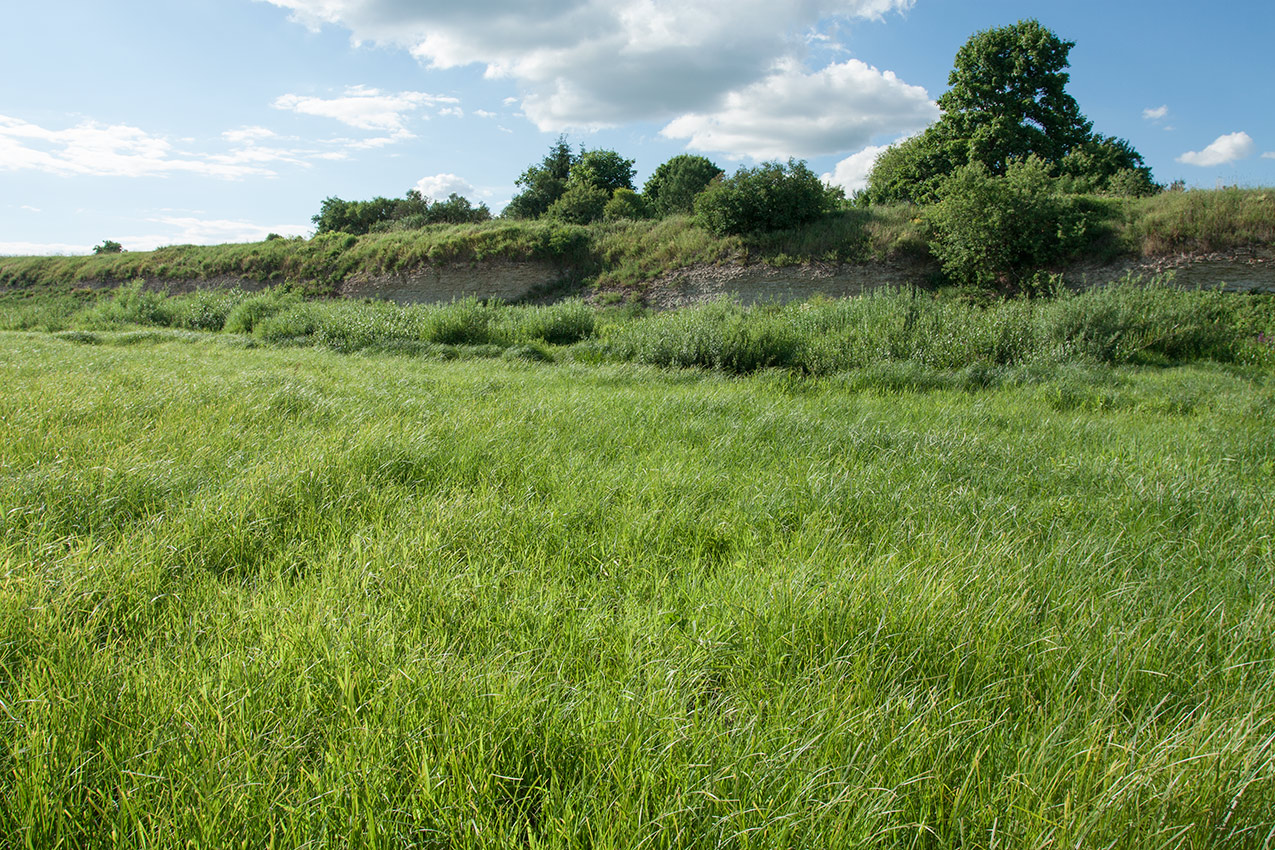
x=1224, y=149
x=587, y=64
x=793, y=113
x=42, y=249
x=1269, y=155
x=1159, y=113
x=107, y=150
x=441, y=185
x=367, y=108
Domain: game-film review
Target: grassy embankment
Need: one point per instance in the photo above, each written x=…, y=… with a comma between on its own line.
x=291, y=596
x=625, y=254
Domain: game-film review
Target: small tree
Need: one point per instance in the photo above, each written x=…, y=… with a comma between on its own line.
x=544, y=183
x=773, y=196
x=674, y=185
x=109, y=246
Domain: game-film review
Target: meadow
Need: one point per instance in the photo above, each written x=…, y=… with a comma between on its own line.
x=513, y=577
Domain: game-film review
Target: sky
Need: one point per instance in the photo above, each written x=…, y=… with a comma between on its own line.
x=207, y=121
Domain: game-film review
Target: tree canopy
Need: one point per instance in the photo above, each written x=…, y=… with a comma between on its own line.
x=1008, y=101
x=674, y=185
x=569, y=186
x=411, y=211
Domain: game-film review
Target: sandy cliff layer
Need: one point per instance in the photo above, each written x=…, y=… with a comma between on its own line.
x=1249, y=270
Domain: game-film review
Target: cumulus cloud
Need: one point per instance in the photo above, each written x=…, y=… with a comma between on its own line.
x=587, y=64
x=1228, y=148
x=441, y=185
x=793, y=113
x=115, y=150
x=367, y=108
x=852, y=172
x=1269, y=155
x=1159, y=113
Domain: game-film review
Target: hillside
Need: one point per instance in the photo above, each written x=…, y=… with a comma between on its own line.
x=1209, y=237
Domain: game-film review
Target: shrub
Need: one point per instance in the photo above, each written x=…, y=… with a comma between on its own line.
x=581, y=203
x=626, y=203
x=998, y=232
x=772, y=196
x=109, y=247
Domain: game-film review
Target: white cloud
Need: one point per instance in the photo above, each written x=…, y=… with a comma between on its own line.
x=247, y=134
x=365, y=108
x=439, y=186
x=852, y=172
x=188, y=230
x=115, y=150
x=30, y=208
x=41, y=249
x=1159, y=113
x=1269, y=155
x=1228, y=148
x=583, y=64
x=483, y=113
x=792, y=113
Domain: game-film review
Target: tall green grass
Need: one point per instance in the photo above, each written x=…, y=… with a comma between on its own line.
x=1130, y=322
x=285, y=597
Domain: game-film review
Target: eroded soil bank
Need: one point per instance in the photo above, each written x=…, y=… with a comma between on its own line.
x=1245, y=270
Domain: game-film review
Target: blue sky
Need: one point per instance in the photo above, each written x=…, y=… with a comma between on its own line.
x=206, y=121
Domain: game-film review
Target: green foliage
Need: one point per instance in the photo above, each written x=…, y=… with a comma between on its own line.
x=412, y=211
x=570, y=187
x=1105, y=165
x=772, y=196
x=675, y=183
x=581, y=203
x=542, y=184
x=998, y=232
x=603, y=169
x=109, y=247
x=1008, y=102
x=626, y=203
x=1008, y=96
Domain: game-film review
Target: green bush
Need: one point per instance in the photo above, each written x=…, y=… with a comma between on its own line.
x=773, y=196
x=626, y=203
x=581, y=203
x=993, y=232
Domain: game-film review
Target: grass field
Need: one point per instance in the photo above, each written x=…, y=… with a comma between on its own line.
x=260, y=596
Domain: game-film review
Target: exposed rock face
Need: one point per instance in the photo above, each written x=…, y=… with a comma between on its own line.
x=1248, y=270
x=758, y=283
x=506, y=280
